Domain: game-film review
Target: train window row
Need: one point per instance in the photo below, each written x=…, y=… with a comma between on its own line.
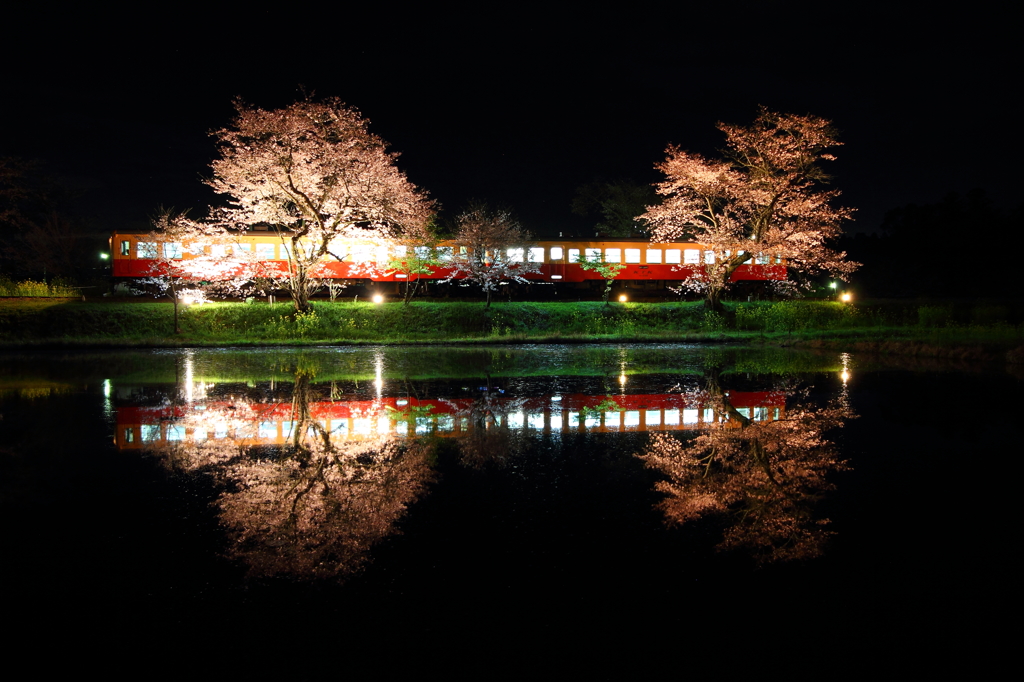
x=366, y=253
x=671, y=418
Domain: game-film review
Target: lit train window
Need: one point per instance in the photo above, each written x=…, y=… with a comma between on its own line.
x=691, y=256
x=653, y=417
x=613, y=255
x=219, y=250
x=653, y=255
x=709, y=257
x=556, y=422
x=690, y=416
x=672, y=417
x=265, y=251
x=145, y=250
x=444, y=253
x=241, y=249
x=126, y=248
x=574, y=255
x=632, y=419
x=593, y=255
x=612, y=420
x=514, y=255
x=673, y=255
x=422, y=252
x=536, y=254
x=761, y=259
x=632, y=255
x=556, y=253
x=400, y=250
x=362, y=253
x=172, y=250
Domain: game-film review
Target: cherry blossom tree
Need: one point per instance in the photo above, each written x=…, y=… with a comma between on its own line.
x=490, y=249
x=189, y=255
x=767, y=201
x=315, y=174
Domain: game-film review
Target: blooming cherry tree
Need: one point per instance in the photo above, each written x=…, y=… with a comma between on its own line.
x=314, y=174
x=189, y=255
x=765, y=203
x=490, y=249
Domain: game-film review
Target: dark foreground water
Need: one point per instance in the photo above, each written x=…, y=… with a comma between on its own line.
x=568, y=505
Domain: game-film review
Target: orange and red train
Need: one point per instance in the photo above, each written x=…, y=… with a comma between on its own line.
x=646, y=265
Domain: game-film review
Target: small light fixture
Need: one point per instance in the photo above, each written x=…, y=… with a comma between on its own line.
x=377, y=298
x=846, y=297
x=104, y=256
x=622, y=298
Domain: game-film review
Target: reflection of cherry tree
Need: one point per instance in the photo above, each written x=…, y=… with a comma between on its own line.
x=489, y=440
x=319, y=511
x=765, y=476
x=312, y=507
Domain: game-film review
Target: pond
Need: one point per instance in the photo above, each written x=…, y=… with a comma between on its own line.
x=512, y=494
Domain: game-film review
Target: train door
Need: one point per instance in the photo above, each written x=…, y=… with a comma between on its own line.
x=556, y=258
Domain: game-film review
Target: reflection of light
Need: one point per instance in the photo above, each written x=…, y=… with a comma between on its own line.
x=622, y=379
x=106, y=388
x=845, y=375
x=377, y=298
x=378, y=361
x=188, y=376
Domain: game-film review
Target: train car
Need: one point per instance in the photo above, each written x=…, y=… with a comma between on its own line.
x=646, y=265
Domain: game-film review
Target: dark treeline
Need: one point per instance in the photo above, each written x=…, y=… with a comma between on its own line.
x=43, y=233
x=953, y=248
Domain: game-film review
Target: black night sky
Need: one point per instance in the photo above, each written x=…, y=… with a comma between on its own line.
x=521, y=108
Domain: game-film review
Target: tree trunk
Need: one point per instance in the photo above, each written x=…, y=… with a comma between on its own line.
x=713, y=302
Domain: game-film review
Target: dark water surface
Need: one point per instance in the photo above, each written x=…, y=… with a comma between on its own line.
x=540, y=499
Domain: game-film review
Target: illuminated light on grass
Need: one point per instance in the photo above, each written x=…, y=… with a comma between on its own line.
x=847, y=297
x=622, y=298
x=378, y=299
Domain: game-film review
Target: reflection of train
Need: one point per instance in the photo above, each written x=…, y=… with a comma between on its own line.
x=646, y=265
x=272, y=423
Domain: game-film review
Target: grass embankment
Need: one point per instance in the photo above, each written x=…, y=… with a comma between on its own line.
x=994, y=328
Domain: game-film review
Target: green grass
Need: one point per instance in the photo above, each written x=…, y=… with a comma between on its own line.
x=150, y=323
